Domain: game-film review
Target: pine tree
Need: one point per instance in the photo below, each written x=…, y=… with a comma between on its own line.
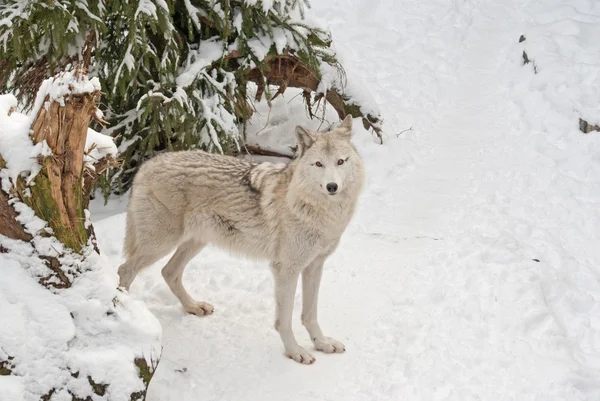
x=174, y=73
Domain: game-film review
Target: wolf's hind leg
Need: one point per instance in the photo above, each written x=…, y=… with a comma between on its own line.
x=173, y=272
x=135, y=263
x=146, y=240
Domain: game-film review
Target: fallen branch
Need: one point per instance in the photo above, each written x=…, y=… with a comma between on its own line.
x=257, y=150
x=286, y=70
x=403, y=131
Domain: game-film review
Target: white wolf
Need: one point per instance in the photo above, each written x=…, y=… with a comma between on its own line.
x=292, y=215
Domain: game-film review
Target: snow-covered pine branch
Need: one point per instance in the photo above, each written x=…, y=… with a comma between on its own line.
x=174, y=73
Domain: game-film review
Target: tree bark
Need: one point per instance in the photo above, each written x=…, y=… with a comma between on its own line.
x=286, y=70
x=9, y=226
x=257, y=150
x=59, y=194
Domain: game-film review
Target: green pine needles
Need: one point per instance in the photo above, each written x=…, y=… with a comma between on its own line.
x=174, y=73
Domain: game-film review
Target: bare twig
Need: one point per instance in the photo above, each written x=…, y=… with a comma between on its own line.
x=324, y=110
x=403, y=131
x=266, y=123
x=257, y=150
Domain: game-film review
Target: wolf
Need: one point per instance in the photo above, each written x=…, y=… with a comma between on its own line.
x=290, y=215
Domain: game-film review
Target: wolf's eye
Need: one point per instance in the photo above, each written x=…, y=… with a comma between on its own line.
x=319, y=164
x=340, y=162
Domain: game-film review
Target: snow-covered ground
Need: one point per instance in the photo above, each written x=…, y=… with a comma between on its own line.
x=55, y=343
x=472, y=268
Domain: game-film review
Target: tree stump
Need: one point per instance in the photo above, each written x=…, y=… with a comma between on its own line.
x=57, y=198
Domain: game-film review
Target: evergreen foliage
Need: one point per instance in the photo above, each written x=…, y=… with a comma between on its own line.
x=174, y=72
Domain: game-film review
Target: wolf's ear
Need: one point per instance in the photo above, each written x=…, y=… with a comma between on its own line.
x=305, y=139
x=345, y=128
x=347, y=123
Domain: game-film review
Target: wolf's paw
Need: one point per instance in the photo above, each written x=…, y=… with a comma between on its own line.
x=200, y=309
x=329, y=345
x=300, y=355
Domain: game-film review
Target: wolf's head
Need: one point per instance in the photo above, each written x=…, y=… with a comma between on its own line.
x=327, y=162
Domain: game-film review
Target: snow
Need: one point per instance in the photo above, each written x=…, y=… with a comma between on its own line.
x=83, y=5
x=193, y=13
x=12, y=388
x=10, y=13
x=268, y=126
x=207, y=53
x=279, y=6
x=54, y=339
x=207, y=104
x=237, y=20
x=16, y=147
x=61, y=85
x=128, y=61
x=97, y=147
x=32, y=224
x=91, y=328
x=146, y=7
x=260, y=46
x=470, y=271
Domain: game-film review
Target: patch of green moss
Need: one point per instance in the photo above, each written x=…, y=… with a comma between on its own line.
x=46, y=208
x=97, y=388
x=145, y=372
x=6, y=367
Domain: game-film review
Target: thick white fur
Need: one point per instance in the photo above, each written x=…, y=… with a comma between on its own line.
x=281, y=213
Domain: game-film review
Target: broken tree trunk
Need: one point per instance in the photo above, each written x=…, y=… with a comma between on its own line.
x=57, y=197
x=56, y=193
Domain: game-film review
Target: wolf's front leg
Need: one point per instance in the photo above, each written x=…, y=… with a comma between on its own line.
x=311, y=280
x=286, y=281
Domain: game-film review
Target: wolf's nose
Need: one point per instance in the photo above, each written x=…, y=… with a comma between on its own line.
x=332, y=187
